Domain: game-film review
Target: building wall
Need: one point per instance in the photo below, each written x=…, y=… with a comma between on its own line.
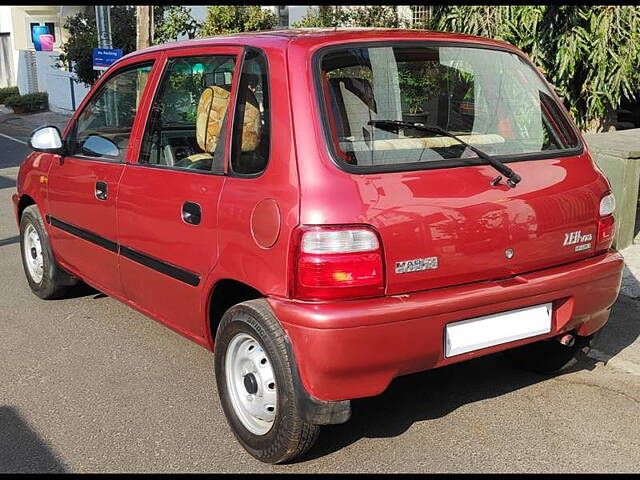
x=15, y=20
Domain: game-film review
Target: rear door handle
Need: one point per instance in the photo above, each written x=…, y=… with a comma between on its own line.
x=101, y=190
x=191, y=213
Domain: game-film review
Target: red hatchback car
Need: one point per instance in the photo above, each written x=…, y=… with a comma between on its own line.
x=328, y=210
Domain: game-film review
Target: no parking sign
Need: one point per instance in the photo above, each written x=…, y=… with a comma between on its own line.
x=104, y=57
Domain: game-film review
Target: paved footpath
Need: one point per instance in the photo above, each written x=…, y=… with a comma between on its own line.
x=89, y=385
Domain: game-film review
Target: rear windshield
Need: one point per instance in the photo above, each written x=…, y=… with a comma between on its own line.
x=492, y=99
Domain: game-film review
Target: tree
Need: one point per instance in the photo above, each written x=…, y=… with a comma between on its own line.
x=589, y=53
x=82, y=37
x=365, y=16
x=177, y=21
x=385, y=16
x=223, y=19
x=76, y=54
x=324, y=16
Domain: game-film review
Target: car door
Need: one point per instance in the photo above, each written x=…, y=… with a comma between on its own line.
x=167, y=202
x=83, y=184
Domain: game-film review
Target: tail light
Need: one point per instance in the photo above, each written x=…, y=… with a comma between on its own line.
x=606, y=223
x=337, y=262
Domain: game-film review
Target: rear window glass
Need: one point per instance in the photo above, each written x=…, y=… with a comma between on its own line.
x=492, y=99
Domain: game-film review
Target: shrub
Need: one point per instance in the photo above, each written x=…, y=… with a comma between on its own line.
x=8, y=92
x=223, y=19
x=31, y=102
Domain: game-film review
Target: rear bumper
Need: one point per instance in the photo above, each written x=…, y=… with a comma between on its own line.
x=352, y=349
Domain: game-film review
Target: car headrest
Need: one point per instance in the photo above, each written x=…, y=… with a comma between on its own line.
x=212, y=108
x=360, y=87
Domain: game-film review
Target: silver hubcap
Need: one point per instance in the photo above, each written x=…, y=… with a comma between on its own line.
x=251, y=383
x=33, y=253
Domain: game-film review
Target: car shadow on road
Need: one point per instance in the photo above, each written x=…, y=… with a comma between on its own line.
x=423, y=396
x=7, y=182
x=436, y=393
x=84, y=290
x=622, y=329
x=9, y=241
x=21, y=448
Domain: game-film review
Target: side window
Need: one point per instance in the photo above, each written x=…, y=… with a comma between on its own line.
x=104, y=126
x=187, y=123
x=251, y=131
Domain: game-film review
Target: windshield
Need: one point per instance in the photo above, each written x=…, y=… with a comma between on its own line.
x=491, y=99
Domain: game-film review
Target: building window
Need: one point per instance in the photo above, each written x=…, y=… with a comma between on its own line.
x=420, y=14
x=39, y=28
x=52, y=29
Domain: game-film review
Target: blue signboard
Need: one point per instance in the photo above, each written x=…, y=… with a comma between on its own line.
x=104, y=57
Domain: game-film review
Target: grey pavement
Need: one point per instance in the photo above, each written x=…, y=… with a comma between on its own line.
x=630, y=283
x=90, y=385
x=24, y=124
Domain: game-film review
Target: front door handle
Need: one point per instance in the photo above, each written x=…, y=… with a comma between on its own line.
x=101, y=190
x=191, y=213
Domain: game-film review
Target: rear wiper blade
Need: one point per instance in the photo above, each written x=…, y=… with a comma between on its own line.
x=393, y=125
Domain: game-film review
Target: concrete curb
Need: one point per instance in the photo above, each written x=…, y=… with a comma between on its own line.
x=631, y=276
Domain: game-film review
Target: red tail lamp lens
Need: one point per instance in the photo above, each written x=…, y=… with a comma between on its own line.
x=606, y=230
x=338, y=263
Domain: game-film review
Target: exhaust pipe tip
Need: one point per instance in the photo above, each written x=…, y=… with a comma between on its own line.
x=567, y=340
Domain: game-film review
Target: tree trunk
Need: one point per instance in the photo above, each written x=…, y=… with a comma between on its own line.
x=143, y=27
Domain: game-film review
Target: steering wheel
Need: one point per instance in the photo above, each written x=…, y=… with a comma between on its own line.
x=203, y=164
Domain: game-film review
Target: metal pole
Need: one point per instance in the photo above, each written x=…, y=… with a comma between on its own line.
x=103, y=22
x=73, y=94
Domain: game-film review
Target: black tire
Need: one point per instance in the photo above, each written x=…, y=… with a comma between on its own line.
x=290, y=436
x=55, y=282
x=549, y=356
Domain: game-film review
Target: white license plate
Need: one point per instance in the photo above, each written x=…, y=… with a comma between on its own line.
x=482, y=332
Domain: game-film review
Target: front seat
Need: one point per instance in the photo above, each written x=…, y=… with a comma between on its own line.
x=212, y=110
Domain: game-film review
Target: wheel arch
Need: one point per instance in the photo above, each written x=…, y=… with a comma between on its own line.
x=224, y=294
x=24, y=202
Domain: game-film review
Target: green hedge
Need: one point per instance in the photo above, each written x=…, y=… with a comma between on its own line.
x=8, y=92
x=31, y=102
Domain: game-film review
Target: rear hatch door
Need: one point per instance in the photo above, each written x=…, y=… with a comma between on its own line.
x=450, y=226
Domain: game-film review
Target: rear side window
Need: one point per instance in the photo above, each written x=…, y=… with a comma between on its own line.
x=492, y=99
x=188, y=119
x=104, y=126
x=251, y=131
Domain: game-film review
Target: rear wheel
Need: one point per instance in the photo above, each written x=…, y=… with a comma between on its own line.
x=46, y=279
x=549, y=356
x=255, y=383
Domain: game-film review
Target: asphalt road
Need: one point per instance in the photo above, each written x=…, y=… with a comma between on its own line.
x=89, y=385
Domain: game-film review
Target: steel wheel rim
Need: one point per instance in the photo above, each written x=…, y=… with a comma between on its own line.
x=251, y=384
x=34, y=259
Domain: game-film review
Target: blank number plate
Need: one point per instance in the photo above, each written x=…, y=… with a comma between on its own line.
x=482, y=332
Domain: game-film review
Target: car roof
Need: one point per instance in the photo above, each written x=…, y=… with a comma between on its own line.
x=310, y=37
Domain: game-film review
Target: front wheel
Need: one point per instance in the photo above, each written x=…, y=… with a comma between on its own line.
x=46, y=279
x=255, y=384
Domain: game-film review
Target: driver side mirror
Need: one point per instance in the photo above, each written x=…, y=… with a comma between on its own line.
x=46, y=139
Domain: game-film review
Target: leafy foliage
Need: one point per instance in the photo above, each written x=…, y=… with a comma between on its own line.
x=177, y=21
x=337, y=16
x=324, y=16
x=590, y=53
x=83, y=37
x=8, y=92
x=31, y=102
x=416, y=85
x=234, y=19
